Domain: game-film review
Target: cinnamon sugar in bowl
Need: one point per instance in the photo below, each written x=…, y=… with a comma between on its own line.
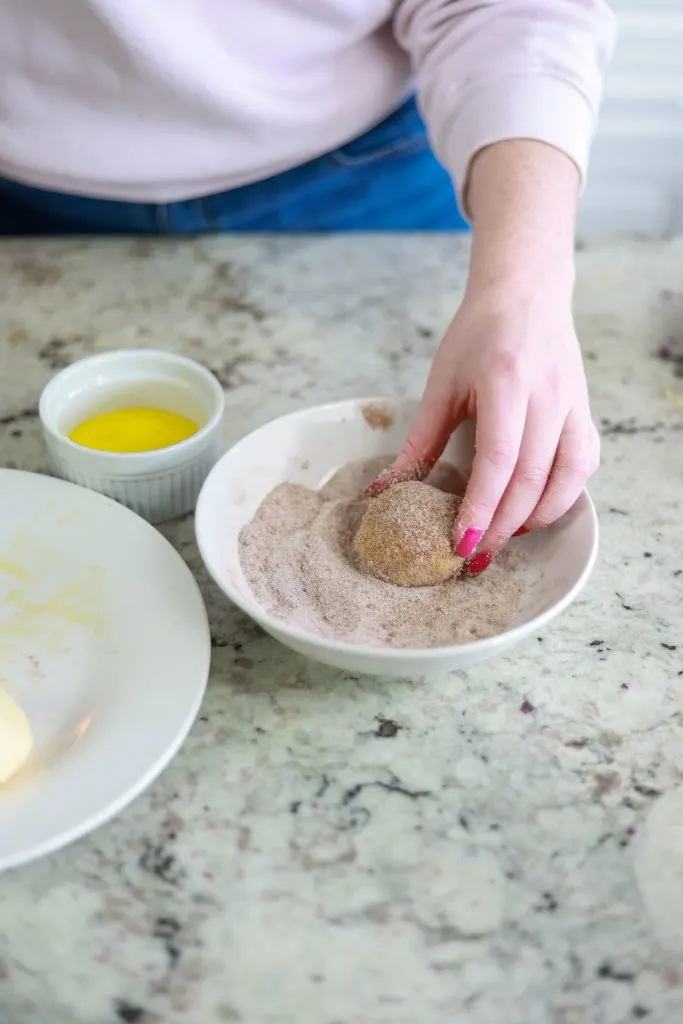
x=288, y=580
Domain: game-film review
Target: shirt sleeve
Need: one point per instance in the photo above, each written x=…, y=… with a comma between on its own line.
x=492, y=70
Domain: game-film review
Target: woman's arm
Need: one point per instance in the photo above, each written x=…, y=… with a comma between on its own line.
x=537, y=444
x=522, y=198
x=511, y=359
x=510, y=89
x=492, y=70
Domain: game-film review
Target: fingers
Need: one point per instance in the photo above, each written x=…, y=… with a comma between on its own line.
x=530, y=477
x=430, y=433
x=577, y=458
x=500, y=417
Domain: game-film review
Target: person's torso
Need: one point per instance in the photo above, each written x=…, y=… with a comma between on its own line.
x=137, y=99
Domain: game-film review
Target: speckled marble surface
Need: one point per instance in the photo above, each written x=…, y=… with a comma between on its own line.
x=337, y=850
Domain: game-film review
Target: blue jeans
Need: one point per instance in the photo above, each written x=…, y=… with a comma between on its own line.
x=386, y=180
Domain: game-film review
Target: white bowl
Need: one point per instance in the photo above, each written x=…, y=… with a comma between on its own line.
x=158, y=484
x=304, y=448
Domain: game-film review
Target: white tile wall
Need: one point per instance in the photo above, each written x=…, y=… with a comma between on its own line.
x=636, y=176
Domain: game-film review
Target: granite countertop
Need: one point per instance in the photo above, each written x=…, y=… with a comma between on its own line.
x=502, y=846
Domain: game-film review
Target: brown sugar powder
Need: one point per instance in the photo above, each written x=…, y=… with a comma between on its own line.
x=298, y=558
x=406, y=535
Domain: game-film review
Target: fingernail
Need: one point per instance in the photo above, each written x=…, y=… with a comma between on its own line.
x=375, y=488
x=386, y=479
x=520, y=532
x=479, y=563
x=379, y=484
x=468, y=542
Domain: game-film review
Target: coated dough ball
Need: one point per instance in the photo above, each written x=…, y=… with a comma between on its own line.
x=405, y=536
x=16, y=740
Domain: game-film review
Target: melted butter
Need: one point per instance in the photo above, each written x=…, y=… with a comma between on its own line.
x=133, y=430
x=13, y=569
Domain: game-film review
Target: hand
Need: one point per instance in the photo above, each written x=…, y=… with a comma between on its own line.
x=511, y=362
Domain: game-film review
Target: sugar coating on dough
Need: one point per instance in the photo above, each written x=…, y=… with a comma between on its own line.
x=405, y=536
x=16, y=740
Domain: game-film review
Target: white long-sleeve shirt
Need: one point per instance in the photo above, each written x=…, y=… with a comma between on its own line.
x=158, y=100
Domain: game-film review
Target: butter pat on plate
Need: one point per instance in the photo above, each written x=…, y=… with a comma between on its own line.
x=16, y=739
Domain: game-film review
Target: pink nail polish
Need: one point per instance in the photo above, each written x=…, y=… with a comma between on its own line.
x=479, y=563
x=468, y=542
x=521, y=532
x=374, y=489
x=386, y=479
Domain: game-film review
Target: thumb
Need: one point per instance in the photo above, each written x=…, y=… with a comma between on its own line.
x=428, y=436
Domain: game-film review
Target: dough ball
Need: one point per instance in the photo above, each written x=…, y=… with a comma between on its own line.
x=405, y=536
x=16, y=740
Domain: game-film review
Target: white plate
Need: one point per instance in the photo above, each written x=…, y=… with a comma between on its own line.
x=105, y=643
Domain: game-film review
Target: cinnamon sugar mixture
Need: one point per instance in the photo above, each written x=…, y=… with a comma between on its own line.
x=297, y=556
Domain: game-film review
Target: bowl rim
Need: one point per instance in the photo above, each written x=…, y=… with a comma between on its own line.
x=391, y=654
x=121, y=356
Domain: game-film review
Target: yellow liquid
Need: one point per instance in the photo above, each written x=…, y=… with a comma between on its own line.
x=133, y=430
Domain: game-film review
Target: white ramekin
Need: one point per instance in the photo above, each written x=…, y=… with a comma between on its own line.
x=159, y=484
